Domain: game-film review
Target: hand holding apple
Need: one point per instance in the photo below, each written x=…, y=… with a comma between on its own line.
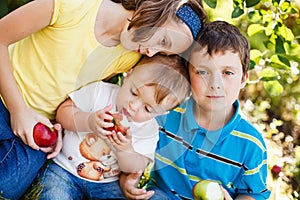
x=207, y=190
x=120, y=123
x=44, y=136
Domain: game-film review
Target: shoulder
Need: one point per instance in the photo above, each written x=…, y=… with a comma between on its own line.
x=250, y=135
x=66, y=11
x=97, y=87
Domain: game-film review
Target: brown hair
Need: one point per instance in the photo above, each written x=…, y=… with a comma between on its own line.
x=169, y=76
x=220, y=36
x=151, y=14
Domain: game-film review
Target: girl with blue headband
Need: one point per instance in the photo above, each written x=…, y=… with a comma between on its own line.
x=50, y=48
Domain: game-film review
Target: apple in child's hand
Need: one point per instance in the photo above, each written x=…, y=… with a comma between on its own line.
x=44, y=136
x=208, y=190
x=120, y=122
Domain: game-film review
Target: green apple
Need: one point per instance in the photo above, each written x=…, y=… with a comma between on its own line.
x=208, y=190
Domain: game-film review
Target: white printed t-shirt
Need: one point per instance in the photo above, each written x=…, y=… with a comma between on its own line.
x=86, y=155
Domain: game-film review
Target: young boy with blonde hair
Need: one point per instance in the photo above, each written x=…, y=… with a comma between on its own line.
x=93, y=155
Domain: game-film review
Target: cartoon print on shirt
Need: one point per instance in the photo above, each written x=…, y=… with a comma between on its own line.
x=102, y=164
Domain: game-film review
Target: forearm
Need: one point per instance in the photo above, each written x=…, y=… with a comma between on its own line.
x=72, y=118
x=131, y=162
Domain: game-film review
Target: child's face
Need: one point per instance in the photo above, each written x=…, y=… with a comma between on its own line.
x=137, y=100
x=216, y=80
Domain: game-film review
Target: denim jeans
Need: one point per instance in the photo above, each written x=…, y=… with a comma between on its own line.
x=158, y=193
x=19, y=163
x=59, y=184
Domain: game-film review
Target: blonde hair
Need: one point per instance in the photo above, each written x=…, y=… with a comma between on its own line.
x=168, y=76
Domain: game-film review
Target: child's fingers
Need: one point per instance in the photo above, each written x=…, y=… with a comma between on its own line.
x=104, y=124
x=128, y=135
x=106, y=112
x=115, y=138
x=122, y=138
x=107, y=108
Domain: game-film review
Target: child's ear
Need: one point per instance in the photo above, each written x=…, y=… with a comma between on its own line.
x=244, y=79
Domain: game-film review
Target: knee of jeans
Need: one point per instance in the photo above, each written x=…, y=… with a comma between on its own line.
x=20, y=164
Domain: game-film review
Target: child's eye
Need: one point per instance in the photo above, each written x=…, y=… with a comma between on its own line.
x=163, y=42
x=148, y=109
x=201, y=72
x=228, y=73
x=133, y=92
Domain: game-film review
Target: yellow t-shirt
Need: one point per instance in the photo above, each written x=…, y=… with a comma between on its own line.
x=64, y=56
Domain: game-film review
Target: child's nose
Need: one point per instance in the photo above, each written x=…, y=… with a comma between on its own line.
x=151, y=52
x=134, y=105
x=216, y=82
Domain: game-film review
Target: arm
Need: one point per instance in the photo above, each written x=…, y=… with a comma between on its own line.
x=74, y=119
x=129, y=160
x=14, y=27
x=65, y=115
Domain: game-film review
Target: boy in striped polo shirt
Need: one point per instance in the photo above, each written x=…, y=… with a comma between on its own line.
x=207, y=137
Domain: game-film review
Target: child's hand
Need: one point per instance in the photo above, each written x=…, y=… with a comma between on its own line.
x=129, y=182
x=121, y=142
x=99, y=121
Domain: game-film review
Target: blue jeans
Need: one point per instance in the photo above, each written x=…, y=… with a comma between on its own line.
x=19, y=163
x=159, y=194
x=59, y=184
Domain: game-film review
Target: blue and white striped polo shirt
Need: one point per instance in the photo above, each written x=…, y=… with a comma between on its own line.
x=235, y=155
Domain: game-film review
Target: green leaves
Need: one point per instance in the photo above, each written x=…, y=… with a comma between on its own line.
x=211, y=3
x=274, y=88
x=255, y=29
x=3, y=8
x=269, y=74
x=271, y=83
x=240, y=5
x=279, y=48
x=237, y=11
x=6, y=6
x=251, y=3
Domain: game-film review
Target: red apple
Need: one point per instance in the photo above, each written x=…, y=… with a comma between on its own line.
x=276, y=170
x=44, y=136
x=120, y=123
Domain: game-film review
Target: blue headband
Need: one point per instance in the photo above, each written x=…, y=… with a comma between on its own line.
x=190, y=18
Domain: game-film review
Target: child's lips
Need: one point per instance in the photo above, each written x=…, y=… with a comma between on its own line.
x=215, y=97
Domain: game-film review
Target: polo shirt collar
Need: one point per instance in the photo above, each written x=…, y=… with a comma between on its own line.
x=189, y=119
x=216, y=135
